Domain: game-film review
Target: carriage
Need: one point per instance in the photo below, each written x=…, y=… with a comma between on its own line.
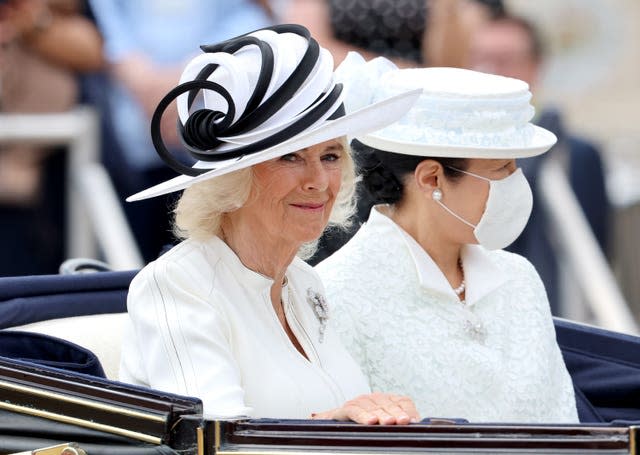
x=58, y=394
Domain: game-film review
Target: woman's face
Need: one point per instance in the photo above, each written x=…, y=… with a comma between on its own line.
x=293, y=195
x=467, y=195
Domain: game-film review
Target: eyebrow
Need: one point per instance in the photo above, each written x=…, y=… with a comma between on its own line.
x=336, y=146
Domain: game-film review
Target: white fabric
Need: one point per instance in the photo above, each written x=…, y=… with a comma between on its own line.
x=461, y=113
x=506, y=211
x=100, y=333
x=403, y=323
x=203, y=325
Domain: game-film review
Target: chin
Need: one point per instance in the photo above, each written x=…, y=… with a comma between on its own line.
x=308, y=235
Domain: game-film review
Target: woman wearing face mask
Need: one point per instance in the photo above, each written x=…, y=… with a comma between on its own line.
x=423, y=295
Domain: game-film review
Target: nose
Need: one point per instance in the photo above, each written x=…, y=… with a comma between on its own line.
x=316, y=177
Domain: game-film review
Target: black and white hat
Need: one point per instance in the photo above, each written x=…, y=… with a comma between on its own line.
x=257, y=97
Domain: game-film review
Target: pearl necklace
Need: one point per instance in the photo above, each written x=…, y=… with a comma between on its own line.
x=472, y=324
x=460, y=289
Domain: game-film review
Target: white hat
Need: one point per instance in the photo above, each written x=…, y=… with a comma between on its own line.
x=260, y=96
x=461, y=114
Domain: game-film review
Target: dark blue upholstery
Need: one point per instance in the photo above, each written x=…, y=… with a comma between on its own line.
x=605, y=368
x=28, y=299
x=49, y=351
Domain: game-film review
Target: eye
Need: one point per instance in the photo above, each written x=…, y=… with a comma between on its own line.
x=331, y=156
x=504, y=167
x=290, y=157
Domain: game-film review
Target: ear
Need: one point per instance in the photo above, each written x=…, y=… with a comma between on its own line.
x=427, y=175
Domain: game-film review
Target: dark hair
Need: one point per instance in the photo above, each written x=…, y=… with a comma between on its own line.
x=383, y=173
x=495, y=7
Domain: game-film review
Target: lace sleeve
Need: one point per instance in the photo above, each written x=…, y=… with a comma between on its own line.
x=342, y=319
x=560, y=391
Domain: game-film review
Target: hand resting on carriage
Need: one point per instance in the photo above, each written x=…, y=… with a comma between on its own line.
x=375, y=408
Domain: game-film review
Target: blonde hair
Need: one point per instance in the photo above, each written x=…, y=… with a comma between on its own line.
x=203, y=205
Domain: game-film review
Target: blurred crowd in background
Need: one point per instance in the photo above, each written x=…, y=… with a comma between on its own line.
x=121, y=56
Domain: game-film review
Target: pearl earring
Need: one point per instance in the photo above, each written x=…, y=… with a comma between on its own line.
x=437, y=194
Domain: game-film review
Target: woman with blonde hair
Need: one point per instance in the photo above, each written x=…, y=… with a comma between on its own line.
x=231, y=314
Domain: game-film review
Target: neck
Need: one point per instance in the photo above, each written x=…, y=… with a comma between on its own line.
x=263, y=254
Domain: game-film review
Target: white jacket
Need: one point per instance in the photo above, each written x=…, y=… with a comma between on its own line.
x=494, y=359
x=203, y=325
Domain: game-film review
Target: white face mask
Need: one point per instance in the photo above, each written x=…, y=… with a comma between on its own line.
x=506, y=213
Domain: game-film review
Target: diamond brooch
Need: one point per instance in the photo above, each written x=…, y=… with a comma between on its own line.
x=320, y=308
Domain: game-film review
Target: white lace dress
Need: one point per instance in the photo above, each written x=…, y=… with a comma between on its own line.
x=494, y=359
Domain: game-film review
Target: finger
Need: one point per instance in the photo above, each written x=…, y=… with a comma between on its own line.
x=361, y=415
x=332, y=414
x=405, y=407
x=361, y=410
x=409, y=407
x=384, y=417
x=399, y=407
x=343, y=414
x=375, y=408
x=320, y=415
x=391, y=412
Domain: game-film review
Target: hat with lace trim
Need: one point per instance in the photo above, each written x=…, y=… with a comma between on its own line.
x=461, y=114
x=257, y=97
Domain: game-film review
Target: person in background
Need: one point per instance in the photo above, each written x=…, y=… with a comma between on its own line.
x=511, y=46
x=410, y=33
x=231, y=314
x=423, y=295
x=45, y=47
x=450, y=28
x=369, y=28
x=146, y=45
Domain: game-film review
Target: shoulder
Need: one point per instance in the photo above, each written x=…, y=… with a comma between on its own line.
x=506, y=261
x=522, y=281
x=375, y=265
x=368, y=246
x=516, y=267
x=189, y=265
x=187, y=258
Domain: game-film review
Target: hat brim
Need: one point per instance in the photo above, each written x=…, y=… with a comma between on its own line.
x=541, y=141
x=370, y=118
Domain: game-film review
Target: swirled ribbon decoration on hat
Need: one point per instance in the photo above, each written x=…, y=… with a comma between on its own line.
x=257, y=90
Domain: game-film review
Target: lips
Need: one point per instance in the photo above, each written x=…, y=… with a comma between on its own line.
x=310, y=205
